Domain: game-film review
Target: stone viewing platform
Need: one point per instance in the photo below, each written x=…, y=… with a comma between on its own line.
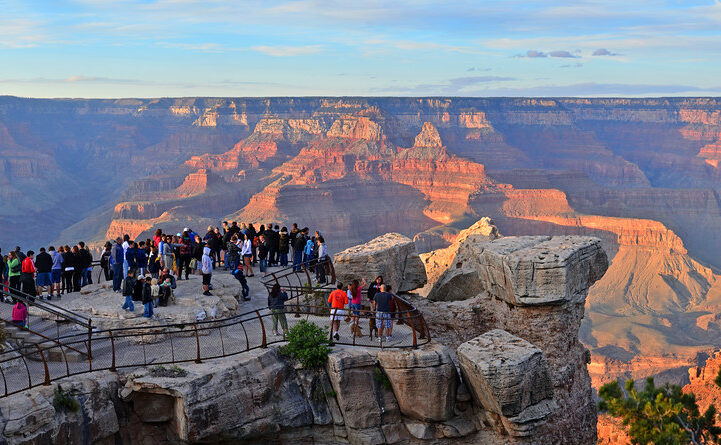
x=504, y=364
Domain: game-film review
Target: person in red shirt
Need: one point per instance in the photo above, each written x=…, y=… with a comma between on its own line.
x=337, y=299
x=28, y=274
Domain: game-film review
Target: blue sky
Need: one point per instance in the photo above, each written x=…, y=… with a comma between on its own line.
x=154, y=48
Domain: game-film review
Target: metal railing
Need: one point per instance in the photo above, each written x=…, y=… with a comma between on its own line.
x=28, y=366
x=58, y=311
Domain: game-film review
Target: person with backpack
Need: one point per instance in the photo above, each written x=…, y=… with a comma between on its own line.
x=308, y=253
x=298, y=246
x=86, y=265
x=232, y=253
x=105, y=260
x=154, y=262
x=117, y=258
x=240, y=276
x=276, y=304
x=43, y=265
x=128, y=291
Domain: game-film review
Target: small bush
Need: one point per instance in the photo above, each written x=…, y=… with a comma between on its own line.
x=64, y=401
x=173, y=371
x=308, y=343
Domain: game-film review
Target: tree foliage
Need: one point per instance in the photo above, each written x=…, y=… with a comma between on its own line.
x=660, y=415
x=308, y=343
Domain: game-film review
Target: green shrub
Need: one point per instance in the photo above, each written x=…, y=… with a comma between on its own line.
x=172, y=371
x=308, y=343
x=64, y=401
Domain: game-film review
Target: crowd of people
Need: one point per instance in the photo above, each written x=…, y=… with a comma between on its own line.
x=147, y=271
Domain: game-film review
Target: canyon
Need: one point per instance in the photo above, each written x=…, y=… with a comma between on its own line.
x=643, y=175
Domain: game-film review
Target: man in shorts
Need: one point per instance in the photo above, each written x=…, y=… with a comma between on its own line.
x=382, y=305
x=44, y=265
x=337, y=299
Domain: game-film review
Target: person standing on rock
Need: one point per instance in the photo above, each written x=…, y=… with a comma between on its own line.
x=263, y=253
x=131, y=257
x=322, y=260
x=298, y=246
x=77, y=268
x=56, y=272
x=375, y=287
x=247, y=252
x=232, y=253
x=283, y=247
x=207, y=269
x=337, y=299
x=141, y=258
x=276, y=304
x=44, y=265
x=166, y=253
x=355, y=302
x=126, y=244
x=86, y=265
x=382, y=306
x=148, y=298
x=185, y=255
x=128, y=290
x=14, y=271
x=28, y=275
x=117, y=258
x=105, y=260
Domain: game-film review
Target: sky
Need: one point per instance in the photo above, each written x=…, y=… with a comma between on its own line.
x=172, y=48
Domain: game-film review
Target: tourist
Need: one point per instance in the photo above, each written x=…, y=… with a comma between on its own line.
x=105, y=260
x=298, y=246
x=56, y=272
x=252, y=234
x=44, y=265
x=219, y=247
x=131, y=257
x=129, y=291
x=240, y=276
x=165, y=293
x=263, y=253
x=177, y=265
x=20, y=314
x=308, y=252
x=232, y=253
x=19, y=253
x=14, y=270
x=166, y=252
x=375, y=287
x=247, y=252
x=197, y=254
x=141, y=258
x=322, y=258
x=337, y=299
x=207, y=269
x=293, y=233
x=147, y=297
x=126, y=244
x=276, y=304
x=154, y=262
x=27, y=269
x=382, y=306
x=186, y=252
x=271, y=244
x=77, y=269
x=158, y=237
x=86, y=264
x=355, y=298
x=117, y=257
x=4, y=270
x=210, y=241
x=154, y=290
x=283, y=247
x=227, y=235
x=167, y=276
x=69, y=269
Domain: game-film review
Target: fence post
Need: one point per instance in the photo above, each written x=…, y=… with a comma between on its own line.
x=264, y=344
x=197, y=343
x=413, y=329
x=112, y=350
x=90, y=341
x=45, y=365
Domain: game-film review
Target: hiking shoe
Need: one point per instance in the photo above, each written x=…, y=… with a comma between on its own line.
x=207, y=293
x=380, y=339
x=336, y=336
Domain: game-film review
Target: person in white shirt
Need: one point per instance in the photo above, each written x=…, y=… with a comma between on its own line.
x=126, y=245
x=247, y=252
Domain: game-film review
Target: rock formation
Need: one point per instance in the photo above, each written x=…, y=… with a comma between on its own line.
x=391, y=255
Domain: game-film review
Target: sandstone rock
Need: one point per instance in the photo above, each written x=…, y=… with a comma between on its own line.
x=420, y=430
x=428, y=137
x=424, y=381
x=524, y=270
x=392, y=255
x=509, y=377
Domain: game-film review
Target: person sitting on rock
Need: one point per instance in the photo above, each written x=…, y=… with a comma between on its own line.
x=128, y=289
x=20, y=314
x=165, y=291
x=240, y=276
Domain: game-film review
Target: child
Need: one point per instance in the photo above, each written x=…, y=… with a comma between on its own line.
x=20, y=314
x=154, y=291
x=147, y=299
x=166, y=291
x=238, y=274
x=128, y=290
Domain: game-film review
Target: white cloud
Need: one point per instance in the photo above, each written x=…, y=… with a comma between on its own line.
x=288, y=51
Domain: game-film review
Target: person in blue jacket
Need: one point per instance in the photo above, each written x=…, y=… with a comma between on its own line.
x=131, y=256
x=141, y=258
x=117, y=258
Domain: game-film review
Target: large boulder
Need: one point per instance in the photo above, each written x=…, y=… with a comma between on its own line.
x=424, y=381
x=509, y=378
x=524, y=270
x=392, y=255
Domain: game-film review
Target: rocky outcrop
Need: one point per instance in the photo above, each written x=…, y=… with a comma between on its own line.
x=509, y=378
x=391, y=255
